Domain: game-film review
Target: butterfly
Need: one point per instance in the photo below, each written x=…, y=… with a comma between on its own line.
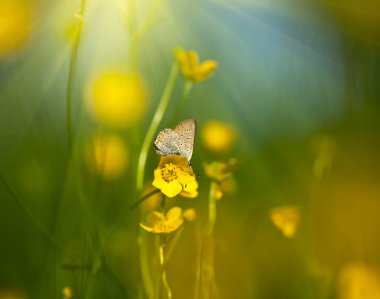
x=179, y=141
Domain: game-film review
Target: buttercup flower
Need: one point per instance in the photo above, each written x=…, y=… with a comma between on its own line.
x=117, y=99
x=190, y=214
x=220, y=171
x=107, y=156
x=15, y=24
x=191, y=68
x=217, y=136
x=359, y=281
x=174, y=176
x=158, y=223
x=286, y=219
x=67, y=293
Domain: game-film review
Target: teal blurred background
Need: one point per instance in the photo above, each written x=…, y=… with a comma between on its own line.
x=298, y=83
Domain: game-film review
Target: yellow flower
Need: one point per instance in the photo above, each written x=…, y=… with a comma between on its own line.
x=67, y=292
x=359, y=281
x=15, y=24
x=158, y=223
x=174, y=176
x=286, y=219
x=191, y=68
x=117, y=99
x=107, y=156
x=220, y=171
x=217, y=136
x=190, y=214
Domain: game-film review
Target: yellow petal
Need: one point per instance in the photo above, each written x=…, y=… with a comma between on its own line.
x=174, y=219
x=191, y=194
x=147, y=228
x=158, y=181
x=172, y=189
x=189, y=215
x=191, y=186
x=174, y=159
x=205, y=70
x=184, y=178
x=181, y=56
x=174, y=226
x=173, y=214
x=286, y=219
x=192, y=58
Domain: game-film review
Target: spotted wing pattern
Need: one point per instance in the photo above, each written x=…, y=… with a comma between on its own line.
x=186, y=131
x=166, y=143
x=179, y=141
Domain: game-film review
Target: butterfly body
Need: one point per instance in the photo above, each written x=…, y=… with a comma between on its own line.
x=179, y=141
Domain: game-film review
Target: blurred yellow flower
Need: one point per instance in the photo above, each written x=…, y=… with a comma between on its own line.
x=117, y=99
x=158, y=223
x=67, y=292
x=107, y=156
x=286, y=219
x=15, y=24
x=217, y=136
x=359, y=281
x=217, y=191
x=220, y=171
x=190, y=214
x=174, y=176
x=191, y=68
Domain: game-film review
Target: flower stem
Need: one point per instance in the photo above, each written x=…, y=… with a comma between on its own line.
x=162, y=273
x=205, y=275
x=185, y=93
x=70, y=81
x=162, y=106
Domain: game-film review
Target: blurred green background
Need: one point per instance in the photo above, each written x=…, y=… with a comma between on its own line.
x=297, y=86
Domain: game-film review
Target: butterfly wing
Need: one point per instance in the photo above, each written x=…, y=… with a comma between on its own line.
x=186, y=134
x=166, y=143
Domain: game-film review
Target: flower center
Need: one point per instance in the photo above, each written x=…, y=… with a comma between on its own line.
x=169, y=172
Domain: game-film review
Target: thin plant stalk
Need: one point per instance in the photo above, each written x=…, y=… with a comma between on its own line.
x=162, y=273
x=205, y=275
x=72, y=69
x=185, y=93
x=162, y=106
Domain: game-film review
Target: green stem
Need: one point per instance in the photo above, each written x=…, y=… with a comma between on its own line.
x=185, y=93
x=173, y=243
x=205, y=280
x=211, y=208
x=162, y=106
x=162, y=273
x=70, y=82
